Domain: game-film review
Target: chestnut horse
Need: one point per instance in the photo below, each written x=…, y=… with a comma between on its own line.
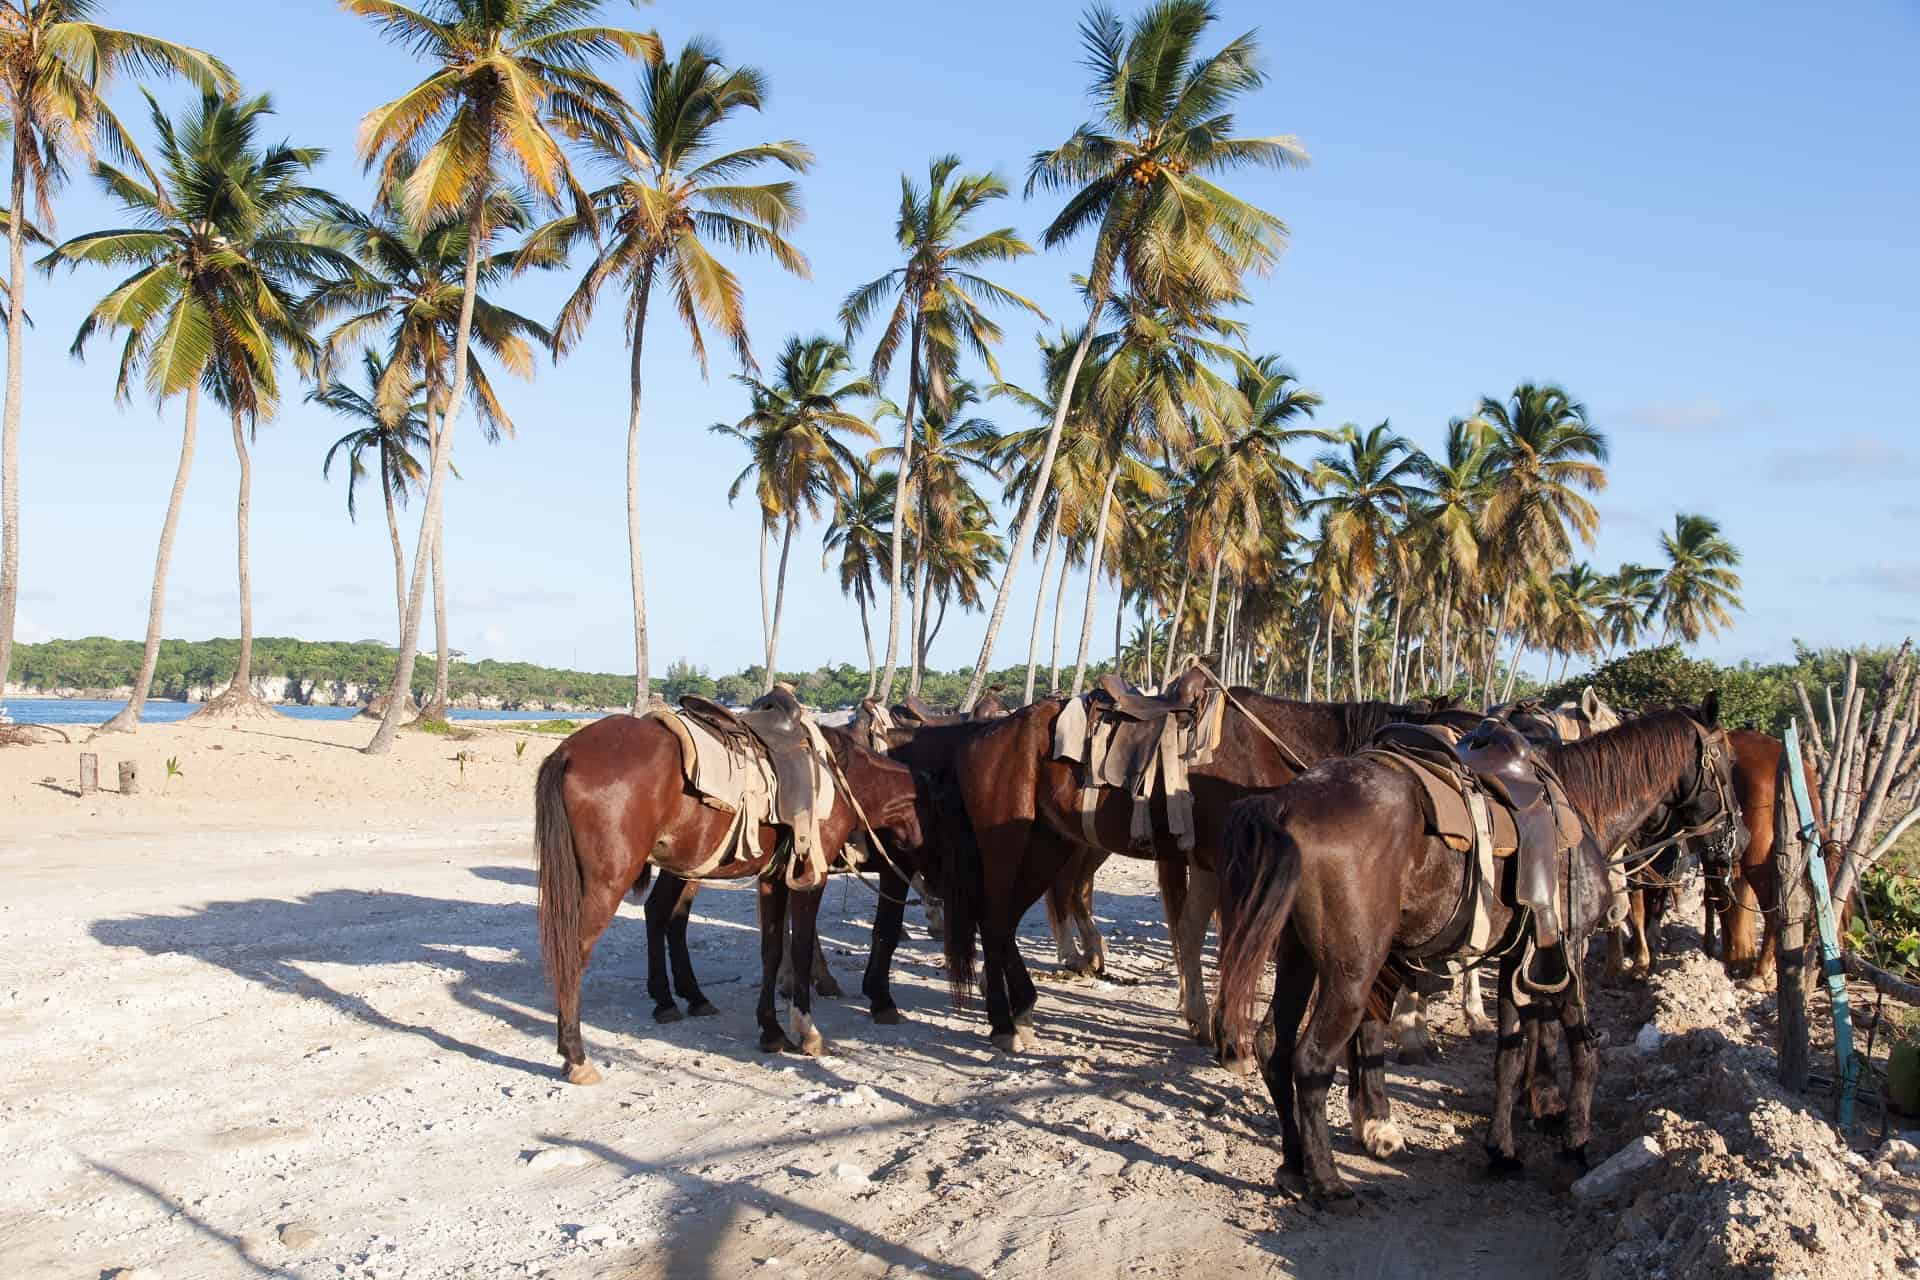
x=611, y=802
x=1327, y=875
x=1026, y=827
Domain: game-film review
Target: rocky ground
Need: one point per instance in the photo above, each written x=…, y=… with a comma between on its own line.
x=328, y=1052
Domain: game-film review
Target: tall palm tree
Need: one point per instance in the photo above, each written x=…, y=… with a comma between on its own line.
x=676, y=195
x=395, y=438
x=1698, y=587
x=1141, y=175
x=55, y=68
x=1573, y=630
x=1628, y=599
x=1545, y=456
x=861, y=531
x=508, y=81
x=1456, y=483
x=211, y=301
x=938, y=298
x=797, y=462
x=404, y=303
x=1368, y=488
x=960, y=557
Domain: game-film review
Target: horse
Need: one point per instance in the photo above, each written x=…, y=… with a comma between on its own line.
x=1329, y=874
x=1025, y=825
x=611, y=804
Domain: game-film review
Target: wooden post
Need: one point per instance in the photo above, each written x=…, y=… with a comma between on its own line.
x=1790, y=944
x=129, y=778
x=89, y=773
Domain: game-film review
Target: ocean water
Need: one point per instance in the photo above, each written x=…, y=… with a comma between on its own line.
x=99, y=711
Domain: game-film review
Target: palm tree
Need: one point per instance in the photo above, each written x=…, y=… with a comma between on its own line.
x=674, y=197
x=1456, y=483
x=55, y=69
x=796, y=461
x=861, y=531
x=211, y=301
x=960, y=557
x=1574, y=627
x=1141, y=176
x=1627, y=601
x=506, y=77
x=937, y=296
x=1368, y=489
x=405, y=303
x=1545, y=454
x=1698, y=587
x=393, y=439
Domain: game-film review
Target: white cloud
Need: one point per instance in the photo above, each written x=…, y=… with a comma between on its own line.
x=1853, y=459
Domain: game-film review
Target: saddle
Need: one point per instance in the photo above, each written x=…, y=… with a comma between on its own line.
x=1139, y=742
x=1486, y=794
x=778, y=730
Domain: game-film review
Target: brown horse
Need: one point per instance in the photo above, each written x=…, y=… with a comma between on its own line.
x=1026, y=826
x=1328, y=875
x=611, y=802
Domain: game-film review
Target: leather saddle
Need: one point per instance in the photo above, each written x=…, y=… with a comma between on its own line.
x=778, y=723
x=1183, y=695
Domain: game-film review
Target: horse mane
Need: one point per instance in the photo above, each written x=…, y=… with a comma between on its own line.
x=1359, y=721
x=1622, y=766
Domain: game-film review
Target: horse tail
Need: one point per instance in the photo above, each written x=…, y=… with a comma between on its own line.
x=560, y=880
x=962, y=885
x=1259, y=878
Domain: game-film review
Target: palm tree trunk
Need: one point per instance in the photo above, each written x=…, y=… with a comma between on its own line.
x=766, y=595
x=128, y=717
x=1394, y=693
x=779, y=602
x=1093, y=581
x=921, y=605
x=938, y=618
x=243, y=671
x=399, y=553
x=1213, y=598
x=10, y=420
x=1059, y=599
x=1146, y=634
x=1354, y=655
x=1493, y=645
x=1119, y=625
x=1173, y=624
x=1040, y=599
x=642, y=681
x=1030, y=518
x=1313, y=654
x=866, y=633
x=1446, y=609
x=400, y=693
x=900, y=507
x=436, y=708
x=1513, y=663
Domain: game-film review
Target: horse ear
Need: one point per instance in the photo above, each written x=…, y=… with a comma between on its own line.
x=1589, y=702
x=1710, y=710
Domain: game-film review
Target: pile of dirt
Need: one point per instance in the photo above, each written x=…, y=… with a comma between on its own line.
x=1750, y=1181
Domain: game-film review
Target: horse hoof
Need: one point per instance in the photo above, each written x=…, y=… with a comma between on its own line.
x=1413, y=1056
x=1008, y=1043
x=829, y=988
x=1334, y=1196
x=1382, y=1139
x=1503, y=1166
x=704, y=1009
x=668, y=1012
x=1289, y=1181
x=1550, y=1122
x=814, y=1045
x=1481, y=1028
x=583, y=1073
x=1241, y=1064
x=1574, y=1157
x=776, y=1042
x=890, y=1016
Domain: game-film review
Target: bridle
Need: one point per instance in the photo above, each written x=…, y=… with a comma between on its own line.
x=1722, y=829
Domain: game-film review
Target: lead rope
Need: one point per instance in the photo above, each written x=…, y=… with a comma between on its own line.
x=873, y=836
x=1299, y=765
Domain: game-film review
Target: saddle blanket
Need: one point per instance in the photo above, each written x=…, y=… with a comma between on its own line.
x=1140, y=757
x=741, y=783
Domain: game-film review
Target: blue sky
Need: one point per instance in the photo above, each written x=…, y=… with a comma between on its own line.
x=1700, y=219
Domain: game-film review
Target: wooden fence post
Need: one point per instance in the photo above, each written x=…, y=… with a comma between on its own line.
x=89, y=773
x=1790, y=944
x=129, y=778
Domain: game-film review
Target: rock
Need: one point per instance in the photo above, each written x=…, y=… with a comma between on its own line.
x=1616, y=1173
x=1896, y=1151
x=594, y=1233
x=1648, y=1040
x=299, y=1235
x=851, y=1173
x=554, y=1158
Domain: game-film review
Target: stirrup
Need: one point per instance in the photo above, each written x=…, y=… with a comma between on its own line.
x=1543, y=972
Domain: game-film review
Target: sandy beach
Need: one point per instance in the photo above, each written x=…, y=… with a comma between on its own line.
x=286, y=1018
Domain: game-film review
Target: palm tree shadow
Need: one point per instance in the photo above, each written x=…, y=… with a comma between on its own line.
x=172, y=1205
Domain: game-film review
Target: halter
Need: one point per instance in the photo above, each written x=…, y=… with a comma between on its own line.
x=1725, y=822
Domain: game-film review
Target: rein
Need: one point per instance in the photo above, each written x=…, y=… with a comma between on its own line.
x=833, y=763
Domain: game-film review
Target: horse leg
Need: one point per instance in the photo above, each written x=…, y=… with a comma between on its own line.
x=1059, y=904
x=1508, y=1054
x=887, y=917
x=1172, y=877
x=936, y=910
x=824, y=983
x=684, y=983
x=1367, y=1102
x=1639, y=963
x=1616, y=965
x=1583, y=1055
x=772, y=893
x=1338, y=1011
x=1651, y=938
x=1022, y=996
x=803, y=911
x=1475, y=1006
x=598, y=903
x=1292, y=987
x=665, y=896
x=1203, y=896
x=1081, y=907
x=1539, y=1078
x=1408, y=1019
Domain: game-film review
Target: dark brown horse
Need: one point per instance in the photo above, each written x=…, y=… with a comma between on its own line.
x=611, y=802
x=1328, y=875
x=1027, y=827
